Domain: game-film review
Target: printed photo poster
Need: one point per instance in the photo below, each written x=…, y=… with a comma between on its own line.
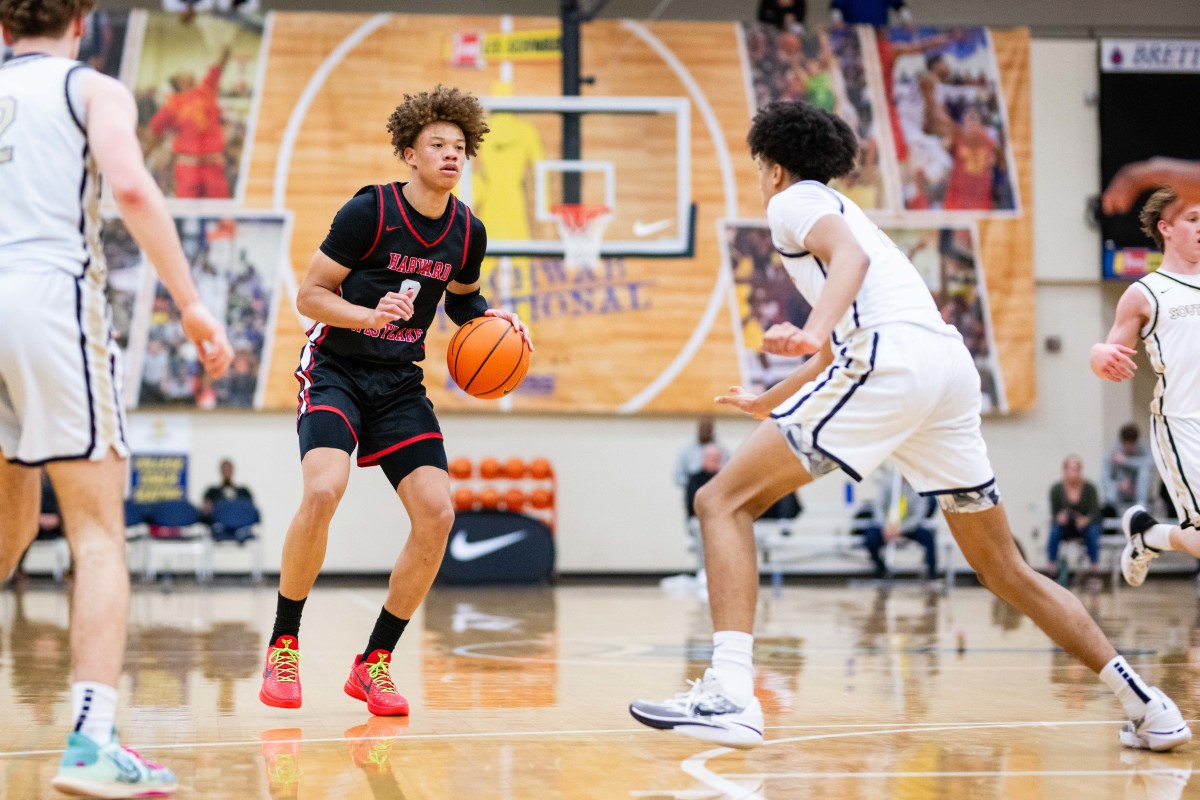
x=103, y=42
x=947, y=257
x=826, y=69
x=196, y=85
x=235, y=262
x=948, y=122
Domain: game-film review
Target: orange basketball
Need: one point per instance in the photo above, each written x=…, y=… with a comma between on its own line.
x=540, y=468
x=487, y=358
x=489, y=499
x=464, y=500
x=489, y=468
x=514, y=500
x=514, y=469
x=460, y=468
x=541, y=498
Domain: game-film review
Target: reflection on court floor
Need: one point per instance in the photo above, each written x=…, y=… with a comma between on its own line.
x=522, y=692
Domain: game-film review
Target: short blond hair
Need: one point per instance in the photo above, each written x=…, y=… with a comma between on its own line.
x=1152, y=212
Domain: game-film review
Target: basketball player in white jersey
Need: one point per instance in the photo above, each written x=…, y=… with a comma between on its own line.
x=62, y=125
x=1163, y=310
x=888, y=379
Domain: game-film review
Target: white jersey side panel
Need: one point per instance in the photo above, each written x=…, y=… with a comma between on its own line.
x=49, y=184
x=892, y=290
x=1173, y=342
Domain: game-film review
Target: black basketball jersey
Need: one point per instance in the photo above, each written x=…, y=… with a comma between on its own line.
x=390, y=247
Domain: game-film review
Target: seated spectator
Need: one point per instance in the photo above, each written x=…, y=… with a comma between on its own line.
x=1074, y=514
x=689, y=461
x=1128, y=470
x=225, y=491
x=787, y=15
x=900, y=511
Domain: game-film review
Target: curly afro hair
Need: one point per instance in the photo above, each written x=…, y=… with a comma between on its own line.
x=443, y=104
x=25, y=19
x=809, y=143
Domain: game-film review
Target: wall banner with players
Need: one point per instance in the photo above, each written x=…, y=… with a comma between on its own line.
x=260, y=126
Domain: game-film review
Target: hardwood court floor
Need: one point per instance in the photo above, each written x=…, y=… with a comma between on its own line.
x=521, y=693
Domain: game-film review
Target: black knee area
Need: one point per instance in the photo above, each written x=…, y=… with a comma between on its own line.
x=425, y=453
x=325, y=429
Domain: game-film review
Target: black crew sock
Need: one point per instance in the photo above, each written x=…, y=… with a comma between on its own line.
x=287, y=618
x=387, y=632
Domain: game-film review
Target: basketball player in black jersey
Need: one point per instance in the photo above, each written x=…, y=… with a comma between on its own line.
x=373, y=288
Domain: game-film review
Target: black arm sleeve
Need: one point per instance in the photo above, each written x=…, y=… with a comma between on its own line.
x=354, y=230
x=462, y=308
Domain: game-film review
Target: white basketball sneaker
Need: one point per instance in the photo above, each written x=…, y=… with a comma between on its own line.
x=703, y=712
x=1137, y=555
x=1161, y=728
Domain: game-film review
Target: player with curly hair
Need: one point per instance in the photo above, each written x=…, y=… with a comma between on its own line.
x=889, y=379
x=62, y=126
x=373, y=289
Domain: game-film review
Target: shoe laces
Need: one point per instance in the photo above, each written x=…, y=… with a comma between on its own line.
x=698, y=691
x=286, y=662
x=378, y=672
x=140, y=758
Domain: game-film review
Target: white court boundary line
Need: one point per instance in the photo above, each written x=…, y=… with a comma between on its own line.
x=697, y=765
x=699, y=758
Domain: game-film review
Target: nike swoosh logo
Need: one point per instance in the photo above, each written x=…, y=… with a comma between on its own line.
x=390, y=228
x=129, y=772
x=650, y=228
x=462, y=550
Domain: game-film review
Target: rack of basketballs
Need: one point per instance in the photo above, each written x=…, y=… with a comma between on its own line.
x=514, y=485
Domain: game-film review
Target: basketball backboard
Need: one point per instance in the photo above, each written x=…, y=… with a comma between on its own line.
x=634, y=159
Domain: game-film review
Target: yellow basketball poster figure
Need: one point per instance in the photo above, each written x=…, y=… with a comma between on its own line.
x=501, y=181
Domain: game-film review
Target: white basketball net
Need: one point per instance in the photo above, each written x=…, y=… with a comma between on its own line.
x=582, y=229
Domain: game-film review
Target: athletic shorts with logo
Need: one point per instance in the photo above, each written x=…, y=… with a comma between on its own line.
x=60, y=370
x=898, y=391
x=383, y=405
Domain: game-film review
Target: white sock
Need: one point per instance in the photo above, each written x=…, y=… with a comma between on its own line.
x=1127, y=685
x=1159, y=536
x=93, y=709
x=733, y=665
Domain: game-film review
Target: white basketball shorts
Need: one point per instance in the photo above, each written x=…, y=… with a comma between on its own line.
x=60, y=385
x=1175, y=442
x=898, y=391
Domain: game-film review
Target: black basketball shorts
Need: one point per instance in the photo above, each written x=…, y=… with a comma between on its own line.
x=380, y=410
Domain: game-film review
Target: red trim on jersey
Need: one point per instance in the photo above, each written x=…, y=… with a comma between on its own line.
x=467, y=238
x=373, y=459
x=378, y=230
x=341, y=414
x=413, y=231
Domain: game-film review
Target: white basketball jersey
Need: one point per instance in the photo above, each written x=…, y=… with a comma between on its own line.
x=892, y=290
x=49, y=184
x=1173, y=342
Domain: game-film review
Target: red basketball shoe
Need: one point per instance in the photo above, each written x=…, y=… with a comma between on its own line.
x=280, y=752
x=370, y=681
x=371, y=743
x=281, y=676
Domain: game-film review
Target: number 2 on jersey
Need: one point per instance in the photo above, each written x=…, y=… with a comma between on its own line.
x=8, y=113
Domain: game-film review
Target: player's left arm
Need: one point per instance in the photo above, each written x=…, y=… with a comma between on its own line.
x=465, y=301
x=831, y=241
x=1111, y=359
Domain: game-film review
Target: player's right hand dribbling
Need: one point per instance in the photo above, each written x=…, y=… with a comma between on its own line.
x=212, y=345
x=1112, y=362
x=392, y=306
